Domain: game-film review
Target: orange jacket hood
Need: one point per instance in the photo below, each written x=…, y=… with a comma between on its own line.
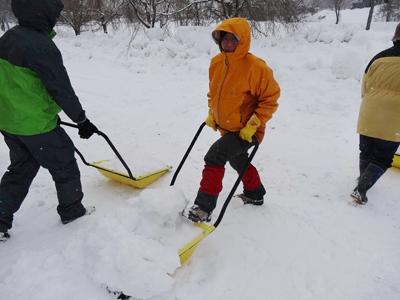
x=240, y=28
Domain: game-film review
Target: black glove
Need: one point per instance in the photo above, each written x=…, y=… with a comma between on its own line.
x=86, y=129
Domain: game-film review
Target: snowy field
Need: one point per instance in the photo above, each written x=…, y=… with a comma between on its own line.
x=306, y=242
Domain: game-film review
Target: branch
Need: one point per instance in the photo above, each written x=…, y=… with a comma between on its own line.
x=182, y=9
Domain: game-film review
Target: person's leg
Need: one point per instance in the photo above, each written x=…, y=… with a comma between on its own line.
x=16, y=181
x=383, y=153
x=210, y=187
x=54, y=151
x=381, y=158
x=253, y=190
x=225, y=149
x=366, y=147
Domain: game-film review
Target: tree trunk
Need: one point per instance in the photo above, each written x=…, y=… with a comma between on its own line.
x=103, y=24
x=389, y=9
x=77, y=30
x=370, y=15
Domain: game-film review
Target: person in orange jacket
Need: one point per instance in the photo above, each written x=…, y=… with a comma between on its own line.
x=242, y=98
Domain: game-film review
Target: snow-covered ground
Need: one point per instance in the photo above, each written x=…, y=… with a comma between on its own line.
x=306, y=242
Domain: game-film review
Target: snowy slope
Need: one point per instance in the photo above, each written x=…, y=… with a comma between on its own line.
x=307, y=242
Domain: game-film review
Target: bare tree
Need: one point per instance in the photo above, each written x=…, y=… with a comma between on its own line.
x=152, y=12
x=390, y=10
x=224, y=9
x=148, y=11
x=6, y=14
x=336, y=6
x=190, y=13
x=107, y=11
x=77, y=13
x=268, y=16
x=370, y=15
x=313, y=6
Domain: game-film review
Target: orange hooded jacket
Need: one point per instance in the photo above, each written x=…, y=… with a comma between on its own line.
x=241, y=84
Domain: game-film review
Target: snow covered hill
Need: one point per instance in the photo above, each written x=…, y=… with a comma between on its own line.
x=149, y=96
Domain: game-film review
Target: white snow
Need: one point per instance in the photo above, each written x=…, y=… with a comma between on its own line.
x=149, y=96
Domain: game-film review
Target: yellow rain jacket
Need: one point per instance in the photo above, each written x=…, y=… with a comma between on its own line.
x=241, y=84
x=379, y=115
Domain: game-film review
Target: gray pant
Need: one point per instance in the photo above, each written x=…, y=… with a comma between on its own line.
x=54, y=151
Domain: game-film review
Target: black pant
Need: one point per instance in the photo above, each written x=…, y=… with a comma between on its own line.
x=54, y=151
x=229, y=148
x=378, y=152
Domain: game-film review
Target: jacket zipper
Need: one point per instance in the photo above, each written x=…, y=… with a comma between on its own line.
x=222, y=85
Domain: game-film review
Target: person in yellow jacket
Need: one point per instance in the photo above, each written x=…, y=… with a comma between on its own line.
x=243, y=96
x=379, y=117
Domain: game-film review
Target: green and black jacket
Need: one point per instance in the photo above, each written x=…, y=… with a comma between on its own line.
x=34, y=84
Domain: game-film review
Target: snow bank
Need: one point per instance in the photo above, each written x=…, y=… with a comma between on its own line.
x=149, y=96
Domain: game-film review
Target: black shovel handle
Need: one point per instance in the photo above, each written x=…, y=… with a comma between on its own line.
x=109, y=143
x=238, y=180
x=187, y=153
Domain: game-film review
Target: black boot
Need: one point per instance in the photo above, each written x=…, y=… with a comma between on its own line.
x=254, y=196
x=370, y=176
x=363, y=164
x=4, y=236
x=202, y=209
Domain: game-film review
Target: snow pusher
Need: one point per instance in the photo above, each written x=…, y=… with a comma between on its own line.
x=396, y=160
x=137, y=182
x=188, y=250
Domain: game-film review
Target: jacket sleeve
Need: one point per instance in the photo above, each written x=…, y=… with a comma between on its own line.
x=364, y=85
x=267, y=92
x=48, y=64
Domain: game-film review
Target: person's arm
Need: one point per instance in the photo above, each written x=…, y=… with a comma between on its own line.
x=48, y=64
x=363, y=86
x=50, y=67
x=268, y=92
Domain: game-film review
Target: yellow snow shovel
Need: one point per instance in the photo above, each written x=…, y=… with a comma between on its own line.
x=138, y=182
x=396, y=160
x=188, y=250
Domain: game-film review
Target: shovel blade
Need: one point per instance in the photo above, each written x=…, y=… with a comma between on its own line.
x=188, y=250
x=137, y=182
x=396, y=160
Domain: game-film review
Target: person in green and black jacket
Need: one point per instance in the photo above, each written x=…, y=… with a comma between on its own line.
x=34, y=88
x=379, y=117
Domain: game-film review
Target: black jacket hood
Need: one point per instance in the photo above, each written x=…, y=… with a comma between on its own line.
x=40, y=15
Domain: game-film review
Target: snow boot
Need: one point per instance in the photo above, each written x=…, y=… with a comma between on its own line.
x=254, y=196
x=4, y=236
x=196, y=214
x=358, y=197
x=363, y=164
x=88, y=211
x=370, y=176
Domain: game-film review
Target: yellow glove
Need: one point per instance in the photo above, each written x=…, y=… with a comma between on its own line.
x=250, y=129
x=210, y=121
